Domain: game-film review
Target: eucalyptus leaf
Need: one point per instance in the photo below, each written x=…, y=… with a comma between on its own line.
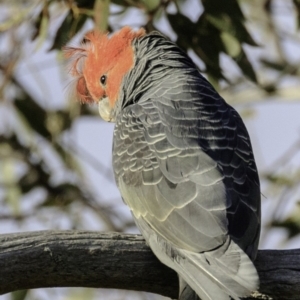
x=69, y=27
x=291, y=223
x=245, y=65
x=297, y=6
x=232, y=45
x=19, y=295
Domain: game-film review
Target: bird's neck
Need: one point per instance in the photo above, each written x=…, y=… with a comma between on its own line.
x=156, y=59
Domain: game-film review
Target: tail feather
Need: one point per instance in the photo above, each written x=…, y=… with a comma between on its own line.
x=186, y=292
x=205, y=288
x=235, y=264
x=221, y=274
x=215, y=275
x=228, y=270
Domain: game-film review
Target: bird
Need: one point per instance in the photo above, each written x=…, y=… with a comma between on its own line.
x=182, y=158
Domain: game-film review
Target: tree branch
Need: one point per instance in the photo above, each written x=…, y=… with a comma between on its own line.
x=111, y=260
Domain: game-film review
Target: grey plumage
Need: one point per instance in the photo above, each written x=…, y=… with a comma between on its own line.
x=184, y=164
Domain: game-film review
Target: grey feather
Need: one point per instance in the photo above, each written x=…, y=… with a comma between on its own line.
x=184, y=165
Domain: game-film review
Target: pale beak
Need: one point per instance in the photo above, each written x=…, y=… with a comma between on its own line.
x=105, y=110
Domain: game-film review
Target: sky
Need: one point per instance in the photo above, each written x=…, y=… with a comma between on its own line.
x=274, y=127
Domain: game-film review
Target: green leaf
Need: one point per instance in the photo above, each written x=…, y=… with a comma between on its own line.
x=210, y=36
x=123, y=3
x=34, y=114
x=69, y=27
x=231, y=25
x=41, y=25
x=88, y=4
x=43, y=30
x=47, y=124
x=208, y=45
x=151, y=5
x=230, y=7
x=19, y=295
x=203, y=38
x=245, y=65
x=270, y=88
x=57, y=122
x=180, y=23
x=291, y=223
x=37, y=26
x=231, y=44
x=63, y=195
x=297, y=6
x=226, y=15
x=32, y=180
x=9, y=178
x=280, y=180
x=278, y=66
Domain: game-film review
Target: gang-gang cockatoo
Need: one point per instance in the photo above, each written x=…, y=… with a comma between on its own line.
x=182, y=159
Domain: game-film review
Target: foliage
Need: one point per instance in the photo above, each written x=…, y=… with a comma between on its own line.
x=241, y=46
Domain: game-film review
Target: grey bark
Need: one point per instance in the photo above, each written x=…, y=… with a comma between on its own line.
x=112, y=260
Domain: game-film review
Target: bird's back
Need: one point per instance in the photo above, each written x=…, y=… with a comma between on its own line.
x=184, y=164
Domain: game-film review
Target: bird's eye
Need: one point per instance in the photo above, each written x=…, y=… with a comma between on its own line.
x=103, y=79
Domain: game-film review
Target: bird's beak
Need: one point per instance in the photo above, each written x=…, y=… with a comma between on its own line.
x=105, y=110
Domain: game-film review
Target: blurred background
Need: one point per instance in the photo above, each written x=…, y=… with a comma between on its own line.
x=55, y=154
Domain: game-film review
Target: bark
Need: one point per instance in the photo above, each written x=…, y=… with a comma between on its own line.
x=112, y=260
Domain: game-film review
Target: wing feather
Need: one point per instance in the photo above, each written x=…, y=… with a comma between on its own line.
x=184, y=165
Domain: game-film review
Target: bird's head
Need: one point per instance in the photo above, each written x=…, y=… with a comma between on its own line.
x=100, y=64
